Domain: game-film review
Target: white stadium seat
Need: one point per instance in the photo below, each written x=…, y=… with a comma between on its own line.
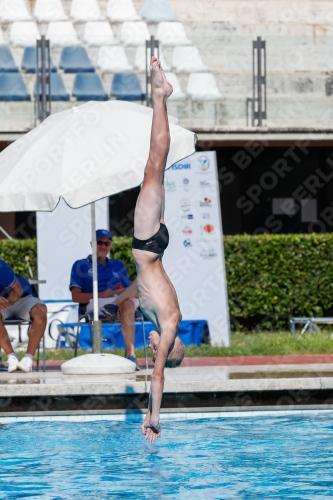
x=121, y=10
x=98, y=33
x=187, y=60
x=113, y=59
x=177, y=93
x=2, y=39
x=62, y=34
x=140, y=60
x=24, y=33
x=14, y=10
x=49, y=10
x=172, y=34
x=85, y=10
x=134, y=33
x=202, y=86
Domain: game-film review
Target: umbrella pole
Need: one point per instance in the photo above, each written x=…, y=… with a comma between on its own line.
x=97, y=324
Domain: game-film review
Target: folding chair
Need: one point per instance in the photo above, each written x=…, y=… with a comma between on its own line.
x=83, y=315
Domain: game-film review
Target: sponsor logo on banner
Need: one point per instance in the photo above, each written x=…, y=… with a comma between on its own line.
x=170, y=185
x=187, y=243
x=181, y=166
x=187, y=230
x=206, y=215
x=205, y=184
x=185, y=204
x=206, y=202
x=208, y=228
x=187, y=216
x=186, y=184
x=208, y=249
x=203, y=163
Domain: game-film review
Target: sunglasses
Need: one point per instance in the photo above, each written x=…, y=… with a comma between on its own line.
x=105, y=243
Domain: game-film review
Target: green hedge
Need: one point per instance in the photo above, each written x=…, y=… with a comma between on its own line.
x=270, y=277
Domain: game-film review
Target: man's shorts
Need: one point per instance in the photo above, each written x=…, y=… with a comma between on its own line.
x=109, y=300
x=21, y=308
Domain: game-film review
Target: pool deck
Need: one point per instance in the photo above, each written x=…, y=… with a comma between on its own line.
x=210, y=383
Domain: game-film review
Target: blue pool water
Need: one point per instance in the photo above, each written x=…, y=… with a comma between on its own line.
x=233, y=458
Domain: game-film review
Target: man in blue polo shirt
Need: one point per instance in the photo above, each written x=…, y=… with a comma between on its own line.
x=112, y=280
x=17, y=301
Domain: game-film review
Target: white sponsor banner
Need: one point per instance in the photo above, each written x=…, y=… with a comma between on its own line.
x=194, y=259
x=64, y=236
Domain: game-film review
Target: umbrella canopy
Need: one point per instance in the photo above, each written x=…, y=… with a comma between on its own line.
x=83, y=154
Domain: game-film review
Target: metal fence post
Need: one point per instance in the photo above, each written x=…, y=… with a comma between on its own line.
x=43, y=85
x=152, y=49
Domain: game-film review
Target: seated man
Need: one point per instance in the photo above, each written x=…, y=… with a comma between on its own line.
x=17, y=301
x=113, y=280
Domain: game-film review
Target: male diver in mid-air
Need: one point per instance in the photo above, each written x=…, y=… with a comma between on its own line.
x=157, y=296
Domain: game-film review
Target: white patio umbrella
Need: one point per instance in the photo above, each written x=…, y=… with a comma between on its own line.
x=82, y=155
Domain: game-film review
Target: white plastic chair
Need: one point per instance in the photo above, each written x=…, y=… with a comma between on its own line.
x=134, y=33
x=98, y=33
x=14, y=10
x=140, y=60
x=85, y=10
x=113, y=59
x=49, y=10
x=121, y=11
x=24, y=34
x=202, y=86
x=187, y=60
x=177, y=94
x=172, y=34
x=62, y=34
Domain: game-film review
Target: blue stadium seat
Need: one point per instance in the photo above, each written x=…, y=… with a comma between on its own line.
x=88, y=87
x=7, y=64
x=58, y=91
x=126, y=87
x=12, y=88
x=29, y=61
x=75, y=60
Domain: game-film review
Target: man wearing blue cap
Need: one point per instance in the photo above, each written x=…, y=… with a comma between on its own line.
x=113, y=279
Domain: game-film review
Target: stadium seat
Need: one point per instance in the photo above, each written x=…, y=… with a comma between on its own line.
x=202, y=86
x=14, y=10
x=85, y=10
x=24, y=34
x=62, y=34
x=29, y=61
x=58, y=91
x=49, y=10
x=126, y=87
x=177, y=94
x=12, y=88
x=121, y=10
x=140, y=60
x=7, y=64
x=98, y=33
x=88, y=87
x=156, y=12
x=172, y=34
x=187, y=60
x=2, y=39
x=113, y=59
x=134, y=33
x=75, y=60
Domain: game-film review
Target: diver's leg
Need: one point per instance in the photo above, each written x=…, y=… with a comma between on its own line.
x=150, y=203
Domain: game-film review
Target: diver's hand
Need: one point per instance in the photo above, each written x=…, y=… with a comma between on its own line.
x=153, y=431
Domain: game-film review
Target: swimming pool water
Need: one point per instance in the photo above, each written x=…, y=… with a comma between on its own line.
x=232, y=458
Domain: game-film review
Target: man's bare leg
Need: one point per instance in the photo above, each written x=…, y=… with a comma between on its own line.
x=37, y=329
x=150, y=203
x=4, y=339
x=127, y=311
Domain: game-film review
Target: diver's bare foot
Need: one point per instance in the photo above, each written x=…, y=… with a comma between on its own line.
x=159, y=84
